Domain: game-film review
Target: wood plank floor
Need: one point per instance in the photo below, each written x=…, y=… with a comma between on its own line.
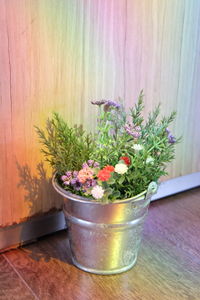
x=168, y=266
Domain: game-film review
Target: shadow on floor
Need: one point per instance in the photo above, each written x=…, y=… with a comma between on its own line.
x=54, y=246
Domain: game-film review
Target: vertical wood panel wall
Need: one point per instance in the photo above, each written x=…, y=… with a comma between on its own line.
x=58, y=55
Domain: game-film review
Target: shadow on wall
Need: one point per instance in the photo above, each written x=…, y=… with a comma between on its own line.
x=43, y=218
x=38, y=189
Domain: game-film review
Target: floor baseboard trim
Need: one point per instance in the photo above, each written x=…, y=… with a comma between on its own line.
x=29, y=231
x=177, y=185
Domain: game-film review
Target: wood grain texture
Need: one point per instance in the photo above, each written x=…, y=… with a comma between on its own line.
x=59, y=55
x=168, y=265
x=11, y=285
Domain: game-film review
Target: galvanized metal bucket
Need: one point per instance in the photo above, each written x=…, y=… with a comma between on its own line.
x=105, y=238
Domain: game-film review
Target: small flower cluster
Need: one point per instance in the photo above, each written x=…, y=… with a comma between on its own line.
x=137, y=148
x=134, y=131
x=91, y=180
x=83, y=179
x=71, y=178
x=171, y=138
x=108, y=104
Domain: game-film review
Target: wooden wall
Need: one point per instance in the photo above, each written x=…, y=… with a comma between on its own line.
x=58, y=55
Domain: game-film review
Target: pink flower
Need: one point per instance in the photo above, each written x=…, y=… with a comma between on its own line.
x=85, y=174
x=64, y=178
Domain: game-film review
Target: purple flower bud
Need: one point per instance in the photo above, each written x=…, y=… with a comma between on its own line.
x=85, y=165
x=127, y=128
x=64, y=177
x=96, y=164
x=76, y=184
x=167, y=130
x=90, y=183
x=99, y=102
x=93, y=182
x=113, y=103
x=90, y=162
x=108, y=104
x=75, y=173
x=137, y=128
x=171, y=139
x=129, y=131
x=136, y=134
x=68, y=173
x=73, y=181
x=133, y=130
x=87, y=184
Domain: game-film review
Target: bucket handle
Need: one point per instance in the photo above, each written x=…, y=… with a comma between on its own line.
x=152, y=189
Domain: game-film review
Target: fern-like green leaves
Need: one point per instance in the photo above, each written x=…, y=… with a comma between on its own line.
x=65, y=148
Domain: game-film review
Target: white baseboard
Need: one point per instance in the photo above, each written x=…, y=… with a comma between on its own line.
x=177, y=185
x=23, y=233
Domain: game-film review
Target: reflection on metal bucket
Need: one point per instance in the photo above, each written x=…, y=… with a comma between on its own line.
x=105, y=238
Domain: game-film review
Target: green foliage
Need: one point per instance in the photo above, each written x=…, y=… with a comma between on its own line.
x=148, y=145
x=65, y=148
x=136, y=111
x=153, y=138
x=110, y=140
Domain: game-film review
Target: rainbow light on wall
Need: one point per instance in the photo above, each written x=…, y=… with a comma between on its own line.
x=59, y=55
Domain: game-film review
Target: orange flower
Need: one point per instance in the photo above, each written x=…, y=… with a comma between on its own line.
x=109, y=168
x=104, y=175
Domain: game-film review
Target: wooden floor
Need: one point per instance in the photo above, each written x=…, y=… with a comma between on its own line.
x=168, y=265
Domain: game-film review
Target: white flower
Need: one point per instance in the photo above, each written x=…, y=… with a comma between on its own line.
x=97, y=192
x=121, y=168
x=149, y=160
x=137, y=147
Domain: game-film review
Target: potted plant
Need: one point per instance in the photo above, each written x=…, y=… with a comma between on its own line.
x=107, y=180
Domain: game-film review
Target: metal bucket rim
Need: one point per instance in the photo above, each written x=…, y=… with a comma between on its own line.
x=77, y=198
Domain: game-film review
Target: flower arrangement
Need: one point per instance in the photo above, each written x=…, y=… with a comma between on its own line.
x=119, y=160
